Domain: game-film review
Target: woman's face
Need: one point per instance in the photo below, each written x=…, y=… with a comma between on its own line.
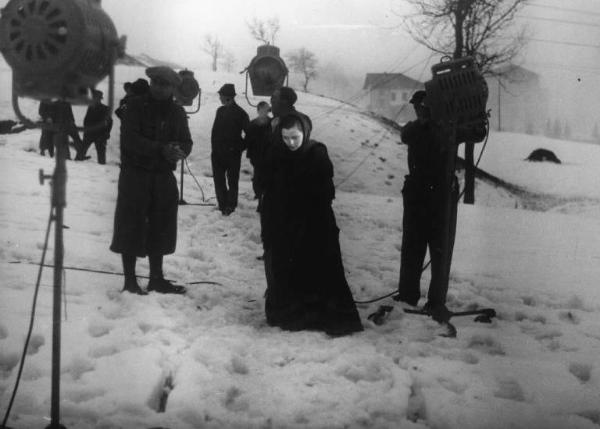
x=292, y=137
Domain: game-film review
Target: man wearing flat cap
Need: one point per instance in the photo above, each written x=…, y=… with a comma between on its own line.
x=97, y=126
x=425, y=194
x=227, y=145
x=154, y=137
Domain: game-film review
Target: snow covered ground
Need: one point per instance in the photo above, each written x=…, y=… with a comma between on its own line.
x=208, y=359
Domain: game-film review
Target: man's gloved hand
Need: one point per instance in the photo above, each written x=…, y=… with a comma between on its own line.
x=172, y=152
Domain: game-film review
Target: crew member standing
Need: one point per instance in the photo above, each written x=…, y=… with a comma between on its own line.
x=154, y=137
x=97, y=126
x=257, y=139
x=227, y=145
x=47, y=135
x=425, y=196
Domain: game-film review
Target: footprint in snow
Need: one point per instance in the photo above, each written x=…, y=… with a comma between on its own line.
x=583, y=371
x=521, y=316
x=529, y=301
x=509, y=389
x=486, y=344
x=570, y=317
x=78, y=366
x=8, y=360
x=35, y=343
x=98, y=329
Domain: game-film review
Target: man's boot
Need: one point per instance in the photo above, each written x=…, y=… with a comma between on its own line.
x=132, y=286
x=161, y=285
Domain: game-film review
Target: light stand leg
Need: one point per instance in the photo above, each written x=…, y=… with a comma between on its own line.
x=181, y=200
x=449, y=220
x=59, y=201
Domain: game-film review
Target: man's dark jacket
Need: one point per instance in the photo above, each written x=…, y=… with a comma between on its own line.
x=97, y=116
x=226, y=136
x=147, y=126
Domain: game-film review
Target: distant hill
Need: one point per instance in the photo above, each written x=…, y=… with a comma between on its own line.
x=145, y=60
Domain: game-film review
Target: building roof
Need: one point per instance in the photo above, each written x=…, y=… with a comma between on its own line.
x=390, y=81
x=515, y=73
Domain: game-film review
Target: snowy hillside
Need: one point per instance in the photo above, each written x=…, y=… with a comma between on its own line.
x=208, y=359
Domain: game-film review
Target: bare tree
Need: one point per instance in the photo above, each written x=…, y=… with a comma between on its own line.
x=228, y=61
x=303, y=61
x=264, y=31
x=214, y=48
x=482, y=29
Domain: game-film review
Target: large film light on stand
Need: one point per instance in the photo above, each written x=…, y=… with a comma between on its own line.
x=58, y=50
x=456, y=96
x=188, y=90
x=267, y=71
x=457, y=93
x=184, y=95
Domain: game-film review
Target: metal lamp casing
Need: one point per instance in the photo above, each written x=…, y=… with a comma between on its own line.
x=267, y=71
x=58, y=48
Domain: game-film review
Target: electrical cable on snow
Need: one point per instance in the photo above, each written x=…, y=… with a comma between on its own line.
x=31, y=320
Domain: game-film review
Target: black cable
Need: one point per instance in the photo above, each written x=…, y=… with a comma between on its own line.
x=204, y=200
x=31, y=320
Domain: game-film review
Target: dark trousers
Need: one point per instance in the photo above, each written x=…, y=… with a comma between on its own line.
x=47, y=142
x=256, y=185
x=422, y=227
x=100, y=144
x=226, y=175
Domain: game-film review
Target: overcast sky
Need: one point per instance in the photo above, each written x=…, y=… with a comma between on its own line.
x=360, y=35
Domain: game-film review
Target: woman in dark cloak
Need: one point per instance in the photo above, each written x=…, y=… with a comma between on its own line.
x=306, y=284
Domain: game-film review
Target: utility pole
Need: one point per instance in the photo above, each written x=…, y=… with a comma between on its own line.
x=499, y=107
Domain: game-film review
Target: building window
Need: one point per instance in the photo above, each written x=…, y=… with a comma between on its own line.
x=393, y=95
x=405, y=96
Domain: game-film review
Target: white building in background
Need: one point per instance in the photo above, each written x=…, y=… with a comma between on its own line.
x=389, y=94
x=517, y=101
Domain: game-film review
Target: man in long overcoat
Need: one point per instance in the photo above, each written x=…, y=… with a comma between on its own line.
x=154, y=137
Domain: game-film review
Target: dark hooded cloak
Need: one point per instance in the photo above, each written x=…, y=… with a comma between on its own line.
x=306, y=284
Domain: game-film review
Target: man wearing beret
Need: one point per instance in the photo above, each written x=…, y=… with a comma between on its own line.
x=227, y=145
x=154, y=137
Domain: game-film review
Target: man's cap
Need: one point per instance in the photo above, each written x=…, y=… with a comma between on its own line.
x=288, y=94
x=164, y=73
x=140, y=86
x=227, y=90
x=418, y=97
x=97, y=93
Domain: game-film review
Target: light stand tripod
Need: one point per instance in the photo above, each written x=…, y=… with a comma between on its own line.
x=59, y=202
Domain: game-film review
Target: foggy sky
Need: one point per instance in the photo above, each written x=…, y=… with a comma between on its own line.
x=360, y=36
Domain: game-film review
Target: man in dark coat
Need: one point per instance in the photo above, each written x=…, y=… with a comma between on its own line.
x=227, y=145
x=257, y=137
x=46, y=136
x=425, y=198
x=97, y=126
x=54, y=112
x=307, y=287
x=154, y=137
